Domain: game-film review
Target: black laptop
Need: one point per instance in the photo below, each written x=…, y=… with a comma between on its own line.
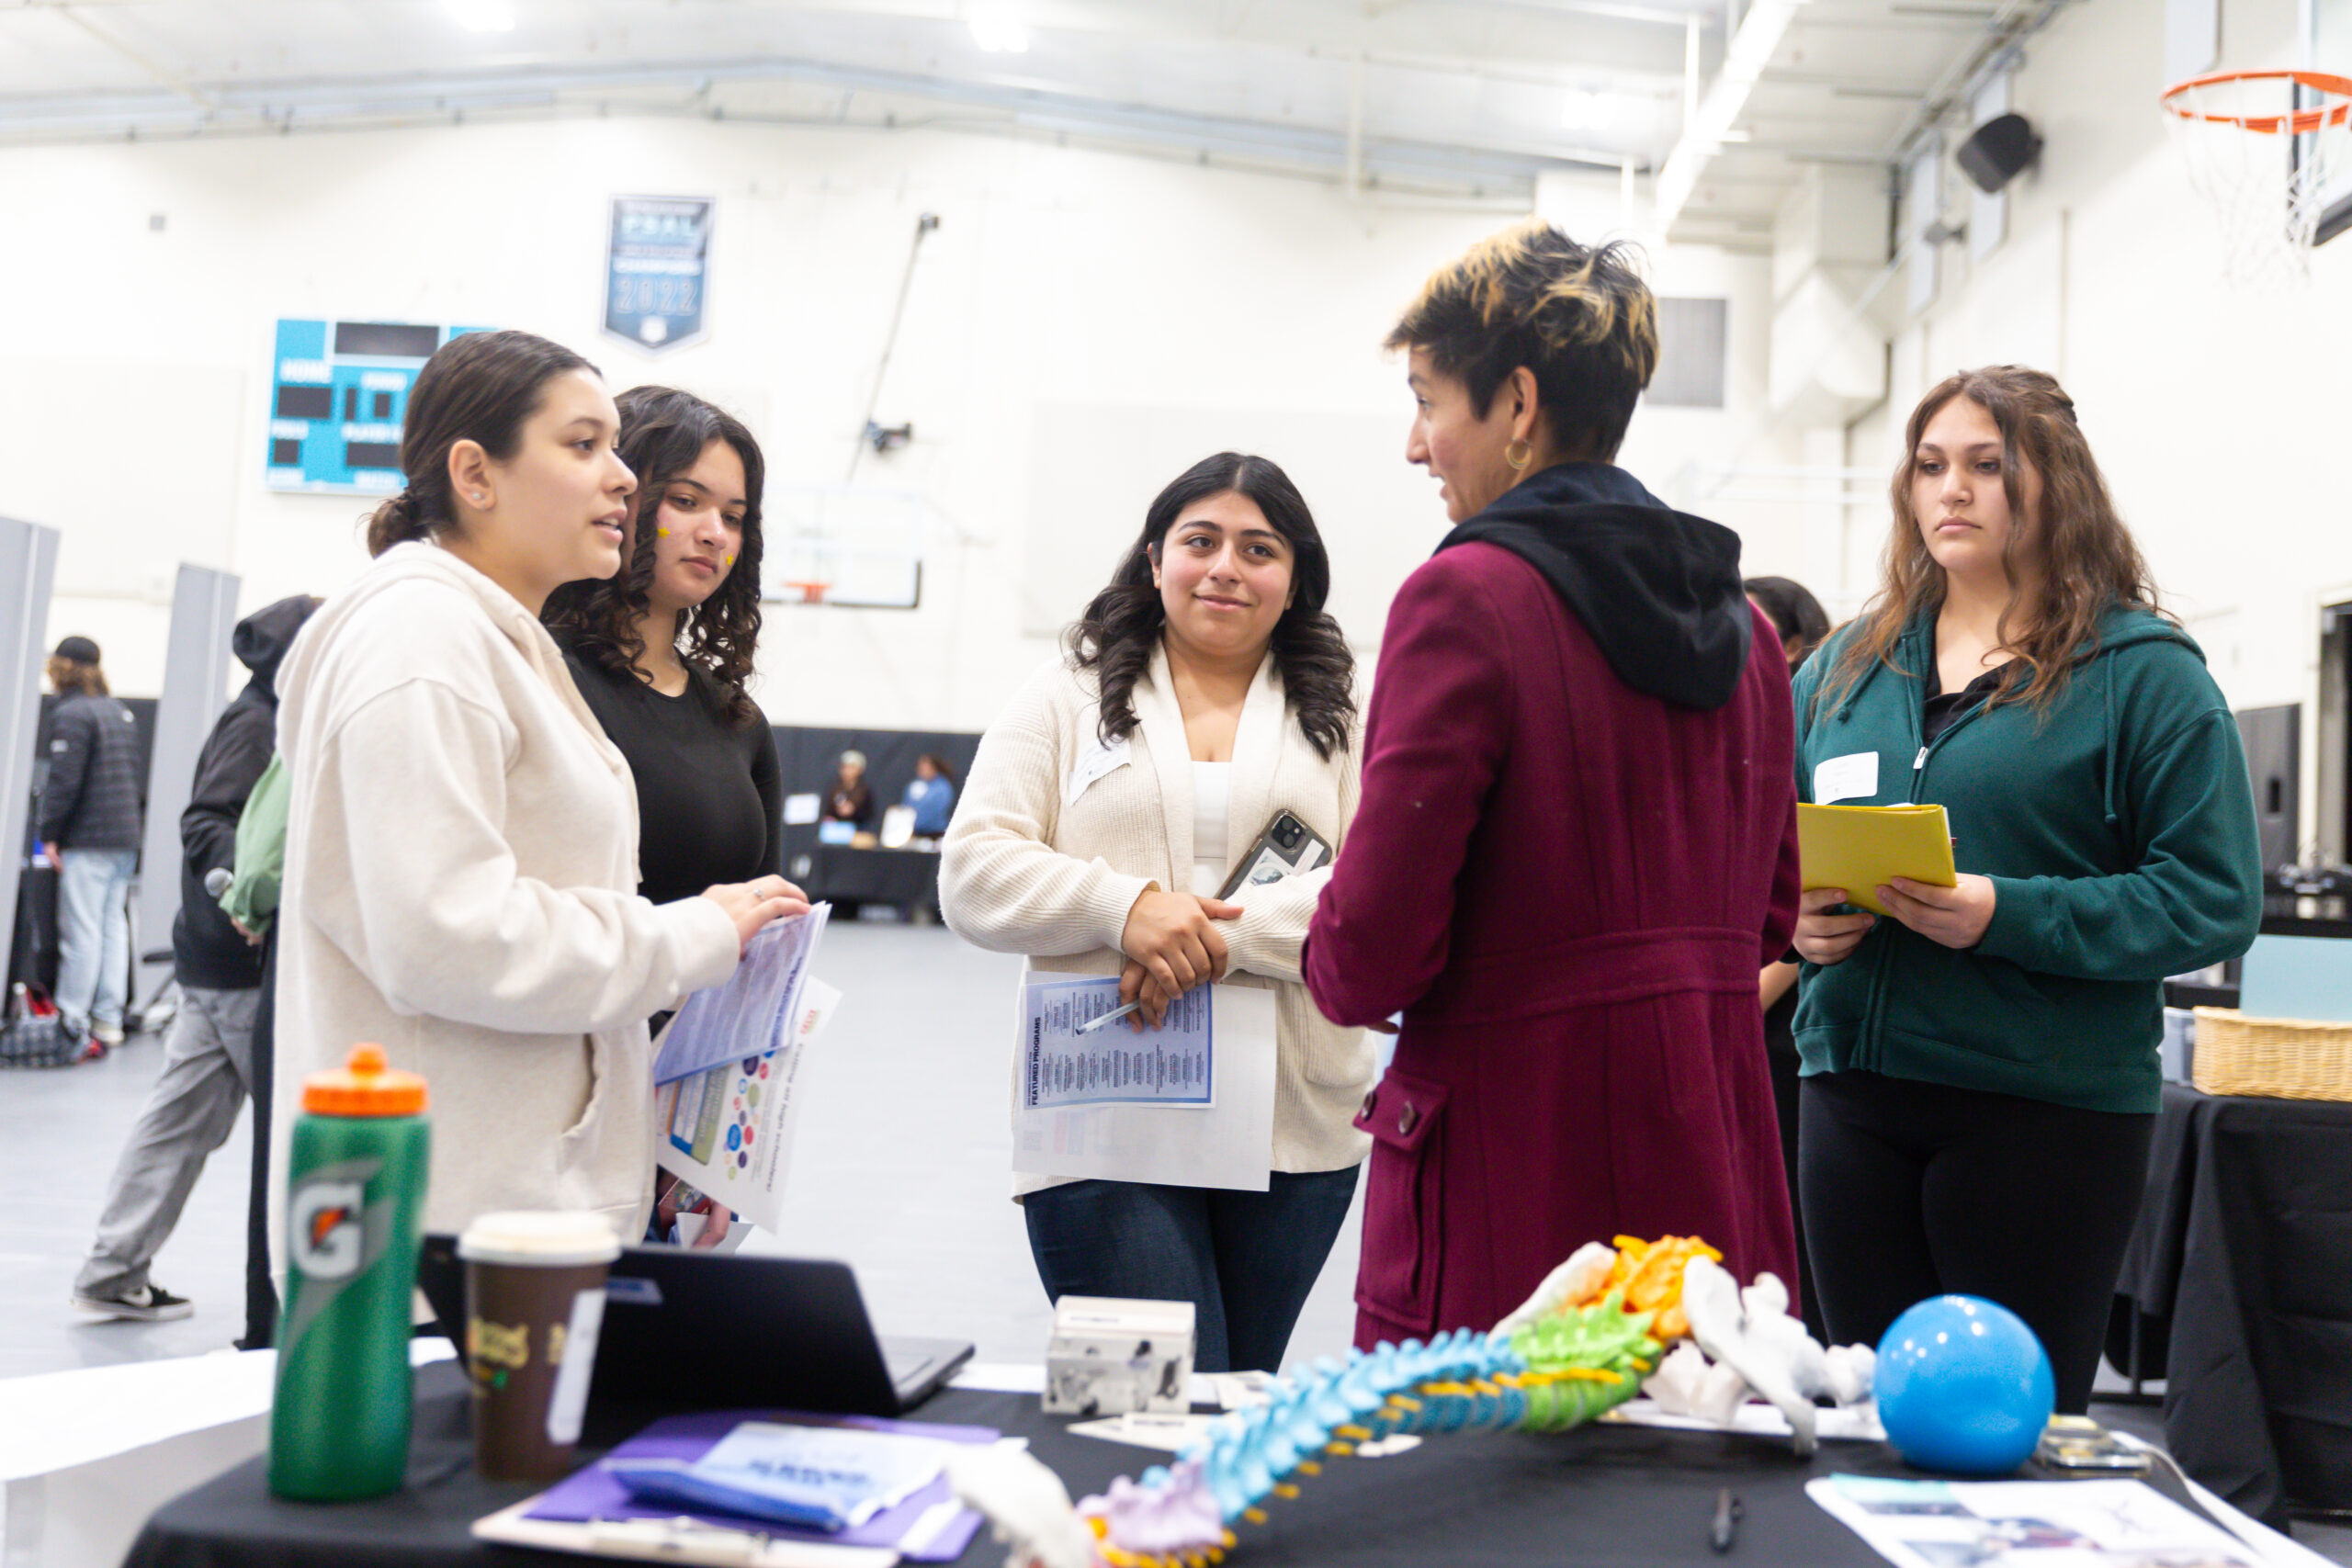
x=721, y=1331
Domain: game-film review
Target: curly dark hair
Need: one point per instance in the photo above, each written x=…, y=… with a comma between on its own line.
x=1121, y=627
x=663, y=432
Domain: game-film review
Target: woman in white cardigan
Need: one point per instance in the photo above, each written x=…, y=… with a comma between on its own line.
x=461, y=845
x=1205, y=690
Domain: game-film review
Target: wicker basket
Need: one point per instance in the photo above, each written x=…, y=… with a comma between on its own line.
x=2286, y=1058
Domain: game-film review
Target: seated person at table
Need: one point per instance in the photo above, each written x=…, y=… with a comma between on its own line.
x=932, y=796
x=849, y=800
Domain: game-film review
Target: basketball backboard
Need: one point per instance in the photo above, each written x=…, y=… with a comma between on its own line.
x=2327, y=46
x=844, y=545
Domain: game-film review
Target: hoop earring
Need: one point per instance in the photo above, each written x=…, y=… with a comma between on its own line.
x=1524, y=454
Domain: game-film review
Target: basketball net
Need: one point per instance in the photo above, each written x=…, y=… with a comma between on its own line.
x=2265, y=162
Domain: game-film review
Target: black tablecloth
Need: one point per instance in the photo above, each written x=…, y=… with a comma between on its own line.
x=2242, y=1270
x=910, y=877
x=1603, y=1495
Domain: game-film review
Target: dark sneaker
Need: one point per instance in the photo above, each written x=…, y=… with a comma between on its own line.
x=149, y=1303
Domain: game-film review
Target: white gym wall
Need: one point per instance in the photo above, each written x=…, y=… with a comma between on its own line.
x=1081, y=325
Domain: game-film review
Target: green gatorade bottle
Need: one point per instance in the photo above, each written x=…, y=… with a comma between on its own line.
x=338, y=1426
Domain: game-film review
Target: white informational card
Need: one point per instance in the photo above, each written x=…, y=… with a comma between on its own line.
x=1116, y=1065
x=1170, y=1432
x=1226, y=1144
x=753, y=1012
x=1853, y=1423
x=728, y=1131
x=1851, y=777
x=1935, y=1524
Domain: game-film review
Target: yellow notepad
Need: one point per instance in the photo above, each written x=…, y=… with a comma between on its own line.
x=1859, y=848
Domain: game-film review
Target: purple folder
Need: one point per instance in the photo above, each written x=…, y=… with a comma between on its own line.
x=592, y=1493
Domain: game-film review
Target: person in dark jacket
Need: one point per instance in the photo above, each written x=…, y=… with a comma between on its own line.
x=90, y=818
x=209, y=1067
x=1574, y=848
x=1981, y=1076
x=850, y=798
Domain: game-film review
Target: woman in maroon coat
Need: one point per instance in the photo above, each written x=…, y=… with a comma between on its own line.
x=1577, y=839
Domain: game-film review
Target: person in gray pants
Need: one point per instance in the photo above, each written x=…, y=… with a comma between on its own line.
x=208, y=1067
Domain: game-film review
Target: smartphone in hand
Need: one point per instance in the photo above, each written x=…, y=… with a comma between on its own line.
x=1287, y=848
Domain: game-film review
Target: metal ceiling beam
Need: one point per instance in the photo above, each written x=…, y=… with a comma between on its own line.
x=1745, y=60
x=1665, y=16
x=301, y=102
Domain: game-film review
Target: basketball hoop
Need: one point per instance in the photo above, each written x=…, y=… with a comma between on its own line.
x=2266, y=160
x=810, y=593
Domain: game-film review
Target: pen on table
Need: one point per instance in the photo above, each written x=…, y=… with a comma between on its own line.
x=1108, y=1019
x=1726, y=1520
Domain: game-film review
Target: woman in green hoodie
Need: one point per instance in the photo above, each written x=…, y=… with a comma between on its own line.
x=1981, y=1076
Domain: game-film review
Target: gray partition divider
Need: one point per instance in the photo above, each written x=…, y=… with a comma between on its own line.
x=28, y=570
x=196, y=688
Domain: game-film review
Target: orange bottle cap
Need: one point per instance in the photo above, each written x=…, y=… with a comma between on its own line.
x=364, y=1086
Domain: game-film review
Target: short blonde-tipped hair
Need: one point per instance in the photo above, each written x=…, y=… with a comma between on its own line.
x=1579, y=317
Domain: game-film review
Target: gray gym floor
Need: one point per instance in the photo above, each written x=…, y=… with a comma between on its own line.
x=901, y=1167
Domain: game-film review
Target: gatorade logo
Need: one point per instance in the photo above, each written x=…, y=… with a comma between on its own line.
x=325, y=1239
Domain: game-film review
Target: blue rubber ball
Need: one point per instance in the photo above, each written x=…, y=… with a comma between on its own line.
x=1963, y=1386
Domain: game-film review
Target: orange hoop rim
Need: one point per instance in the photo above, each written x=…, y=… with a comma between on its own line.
x=810, y=593
x=2301, y=123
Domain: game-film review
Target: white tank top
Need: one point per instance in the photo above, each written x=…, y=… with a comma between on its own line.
x=1212, y=806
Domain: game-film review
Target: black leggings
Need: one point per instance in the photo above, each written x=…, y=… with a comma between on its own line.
x=1912, y=1190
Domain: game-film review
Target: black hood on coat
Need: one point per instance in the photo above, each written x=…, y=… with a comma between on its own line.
x=263, y=637
x=1659, y=589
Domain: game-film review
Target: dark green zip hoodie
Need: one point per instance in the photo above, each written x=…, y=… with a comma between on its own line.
x=2118, y=829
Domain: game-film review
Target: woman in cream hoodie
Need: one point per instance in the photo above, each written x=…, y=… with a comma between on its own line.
x=1205, y=690
x=461, y=851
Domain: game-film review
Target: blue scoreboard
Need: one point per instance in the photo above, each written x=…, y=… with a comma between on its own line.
x=339, y=392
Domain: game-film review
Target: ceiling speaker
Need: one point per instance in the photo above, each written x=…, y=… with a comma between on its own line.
x=1996, y=149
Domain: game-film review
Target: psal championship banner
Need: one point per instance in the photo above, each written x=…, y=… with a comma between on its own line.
x=657, y=263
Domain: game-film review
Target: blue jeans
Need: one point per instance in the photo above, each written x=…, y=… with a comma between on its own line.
x=94, y=935
x=1245, y=1261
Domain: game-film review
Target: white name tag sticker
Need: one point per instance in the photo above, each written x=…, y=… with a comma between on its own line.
x=1093, y=763
x=1852, y=777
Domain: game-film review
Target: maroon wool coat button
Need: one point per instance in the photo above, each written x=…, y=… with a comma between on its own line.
x=1364, y=1114
x=1405, y=1118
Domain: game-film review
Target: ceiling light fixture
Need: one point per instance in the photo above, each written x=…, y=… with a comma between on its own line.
x=996, y=27
x=483, y=15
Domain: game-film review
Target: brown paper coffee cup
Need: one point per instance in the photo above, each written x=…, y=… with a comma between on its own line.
x=534, y=1303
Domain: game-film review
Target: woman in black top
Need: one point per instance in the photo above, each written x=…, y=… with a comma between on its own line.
x=663, y=651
